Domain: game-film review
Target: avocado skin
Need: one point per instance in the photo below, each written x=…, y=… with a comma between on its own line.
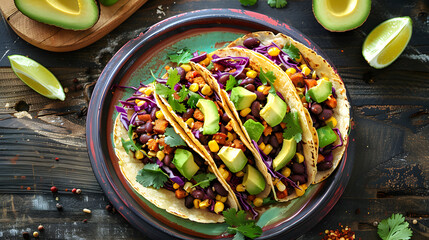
x=57, y=18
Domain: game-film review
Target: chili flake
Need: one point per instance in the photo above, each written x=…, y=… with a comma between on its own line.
x=342, y=234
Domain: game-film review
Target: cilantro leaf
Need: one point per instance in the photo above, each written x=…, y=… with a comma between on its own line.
x=394, y=228
x=234, y=218
x=176, y=105
x=250, y=230
x=272, y=89
x=173, y=77
x=267, y=77
x=240, y=225
x=293, y=129
x=163, y=90
x=238, y=236
x=292, y=51
x=204, y=179
x=308, y=98
x=248, y=2
x=193, y=99
x=268, y=200
x=151, y=176
x=210, y=66
x=182, y=56
x=127, y=145
x=231, y=83
x=173, y=139
x=183, y=93
x=277, y=3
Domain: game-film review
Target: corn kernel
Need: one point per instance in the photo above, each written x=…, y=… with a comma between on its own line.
x=332, y=122
x=280, y=186
x=205, y=62
x=300, y=91
x=325, y=78
x=225, y=174
x=286, y=172
x=137, y=101
x=206, y=90
x=160, y=155
x=230, y=137
x=139, y=104
x=204, y=204
x=159, y=114
x=261, y=88
x=267, y=149
x=219, y=206
x=190, y=121
x=273, y=51
x=290, y=71
x=245, y=112
x=218, y=197
x=306, y=71
x=314, y=75
x=187, y=187
x=139, y=155
x=251, y=74
x=197, y=203
x=239, y=174
x=258, y=202
x=148, y=91
x=223, y=199
x=302, y=66
x=299, y=59
x=151, y=153
x=275, y=181
x=186, y=67
x=176, y=186
x=240, y=188
x=142, y=89
x=262, y=146
x=194, y=87
x=214, y=147
x=301, y=192
x=299, y=157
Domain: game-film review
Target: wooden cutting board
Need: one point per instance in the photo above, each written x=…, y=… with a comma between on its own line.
x=56, y=39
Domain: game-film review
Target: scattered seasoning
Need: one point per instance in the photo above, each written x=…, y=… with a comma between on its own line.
x=57, y=199
x=40, y=228
x=54, y=189
x=109, y=207
x=26, y=235
x=414, y=221
x=59, y=206
x=57, y=159
x=343, y=234
x=78, y=191
x=375, y=224
x=74, y=190
x=85, y=220
x=36, y=234
x=28, y=188
x=86, y=210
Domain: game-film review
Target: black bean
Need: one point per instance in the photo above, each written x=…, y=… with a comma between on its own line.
x=168, y=158
x=260, y=140
x=198, y=194
x=149, y=127
x=299, y=147
x=223, y=129
x=220, y=189
x=188, y=114
x=204, y=139
x=250, y=87
x=225, y=117
x=144, y=138
x=246, y=81
x=250, y=117
x=260, y=96
x=216, y=157
x=172, y=166
x=251, y=42
x=256, y=108
x=210, y=194
x=181, y=73
x=141, y=129
x=189, y=201
x=242, y=75
x=298, y=179
x=298, y=168
x=198, y=160
x=324, y=166
x=223, y=79
x=273, y=141
x=316, y=108
x=277, y=128
x=145, y=160
x=266, y=139
x=326, y=114
x=153, y=114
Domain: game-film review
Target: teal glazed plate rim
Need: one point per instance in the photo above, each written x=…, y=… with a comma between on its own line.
x=204, y=30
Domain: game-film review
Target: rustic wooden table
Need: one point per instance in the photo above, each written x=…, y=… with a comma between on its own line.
x=391, y=126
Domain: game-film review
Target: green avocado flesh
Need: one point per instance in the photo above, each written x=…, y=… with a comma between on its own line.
x=341, y=15
x=253, y=180
x=211, y=116
x=326, y=136
x=233, y=158
x=108, y=2
x=184, y=162
x=285, y=155
x=242, y=98
x=67, y=14
x=274, y=111
x=321, y=92
x=254, y=129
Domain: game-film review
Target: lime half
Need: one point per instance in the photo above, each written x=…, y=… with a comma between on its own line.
x=37, y=77
x=387, y=41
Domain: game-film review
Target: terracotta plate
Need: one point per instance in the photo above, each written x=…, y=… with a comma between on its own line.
x=204, y=30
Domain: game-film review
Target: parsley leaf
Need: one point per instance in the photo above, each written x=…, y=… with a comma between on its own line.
x=151, y=176
x=292, y=51
x=173, y=139
x=293, y=129
x=176, y=105
x=183, y=93
x=267, y=77
x=193, y=99
x=163, y=90
x=248, y=2
x=240, y=225
x=204, y=179
x=277, y=3
x=394, y=228
x=173, y=77
x=231, y=83
x=182, y=56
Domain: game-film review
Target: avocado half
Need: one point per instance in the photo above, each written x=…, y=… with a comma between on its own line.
x=341, y=15
x=67, y=14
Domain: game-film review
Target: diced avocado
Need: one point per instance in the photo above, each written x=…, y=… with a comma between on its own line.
x=253, y=180
x=254, y=129
x=184, y=162
x=242, y=98
x=211, y=116
x=233, y=158
x=274, y=111
x=341, y=15
x=322, y=91
x=285, y=155
x=326, y=136
x=67, y=14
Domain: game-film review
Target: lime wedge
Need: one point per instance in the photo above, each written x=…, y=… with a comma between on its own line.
x=37, y=77
x=387, y=41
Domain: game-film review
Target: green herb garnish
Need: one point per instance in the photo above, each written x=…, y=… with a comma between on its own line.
x=182, y=56
x=129, y=144
x=248, y=2
x=277, y=3
x=293, y=129
x=292, y=51
x=394, y=228
x=151, y=176
x=231, y=83
x=239, y=225
x=204, y=179
x=193, y=99
x=173, y=139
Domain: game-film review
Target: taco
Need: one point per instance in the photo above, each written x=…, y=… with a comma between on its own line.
x=271, y=116
x=161, y=163
x=319, y=86
x=191, y=101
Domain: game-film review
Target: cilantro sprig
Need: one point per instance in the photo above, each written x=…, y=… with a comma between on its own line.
x=277, y=3
x=204, y=179
x=394, y=228
x=248, y=2
x=293, y=129
x=292, y=51
x=268, y=77
x=130, y=144
x=240, y=225
x=173, y=139
x=167, y=91
x=231, y=83
x=181, y=56
x=151, y=176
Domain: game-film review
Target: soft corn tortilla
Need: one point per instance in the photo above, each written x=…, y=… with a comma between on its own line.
x=161, y=198
x=286, y=88
x=323, y=69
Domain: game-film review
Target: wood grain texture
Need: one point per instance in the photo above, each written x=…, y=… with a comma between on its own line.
x=55, y=39
x=390, y=113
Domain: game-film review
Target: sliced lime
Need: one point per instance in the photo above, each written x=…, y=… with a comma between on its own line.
x=37, y=77
x=387, y=41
